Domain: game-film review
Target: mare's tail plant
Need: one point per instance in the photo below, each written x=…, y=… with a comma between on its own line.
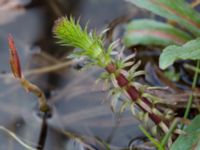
x=69, y=33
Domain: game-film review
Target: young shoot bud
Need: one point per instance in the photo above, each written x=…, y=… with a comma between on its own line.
x=14, y=58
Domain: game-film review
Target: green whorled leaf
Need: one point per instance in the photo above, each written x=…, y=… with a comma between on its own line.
x=176, y=10
x=149, y=32
x=190, y=50
x=70, y=33
x=90, y=45
x=190, y=140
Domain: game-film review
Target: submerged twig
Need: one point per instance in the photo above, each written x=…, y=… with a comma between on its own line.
x=13, y=135
x=42, y=70
x=195, y=3
x=43, y=133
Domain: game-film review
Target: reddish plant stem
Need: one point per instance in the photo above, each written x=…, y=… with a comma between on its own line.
x=134, y=94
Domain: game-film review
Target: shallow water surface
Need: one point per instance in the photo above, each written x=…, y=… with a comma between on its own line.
x=81, y=109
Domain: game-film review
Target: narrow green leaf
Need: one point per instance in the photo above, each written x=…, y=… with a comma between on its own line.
x=170, y=132
x=190, y=140
x=149, y=32
x=154, y=141
x=176, y=10
x=190, y=50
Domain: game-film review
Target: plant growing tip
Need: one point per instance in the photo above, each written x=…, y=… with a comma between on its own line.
x=70, y=33
x=14, y=58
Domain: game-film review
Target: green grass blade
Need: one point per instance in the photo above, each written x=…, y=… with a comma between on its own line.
x=176, y=10
x=155, y=142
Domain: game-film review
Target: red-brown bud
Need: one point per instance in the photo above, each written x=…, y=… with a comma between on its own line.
x=14, y=58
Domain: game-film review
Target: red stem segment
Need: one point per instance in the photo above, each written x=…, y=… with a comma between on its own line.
x=134, y=94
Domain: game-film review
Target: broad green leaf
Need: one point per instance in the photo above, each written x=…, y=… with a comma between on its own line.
x=176, y=10
x=149, y=32
x=190, y=50
x=191, y=140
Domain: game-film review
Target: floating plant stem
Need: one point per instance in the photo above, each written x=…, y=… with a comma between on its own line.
x=189, y=104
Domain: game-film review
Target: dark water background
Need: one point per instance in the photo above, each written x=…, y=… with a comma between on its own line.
x=80, y=108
